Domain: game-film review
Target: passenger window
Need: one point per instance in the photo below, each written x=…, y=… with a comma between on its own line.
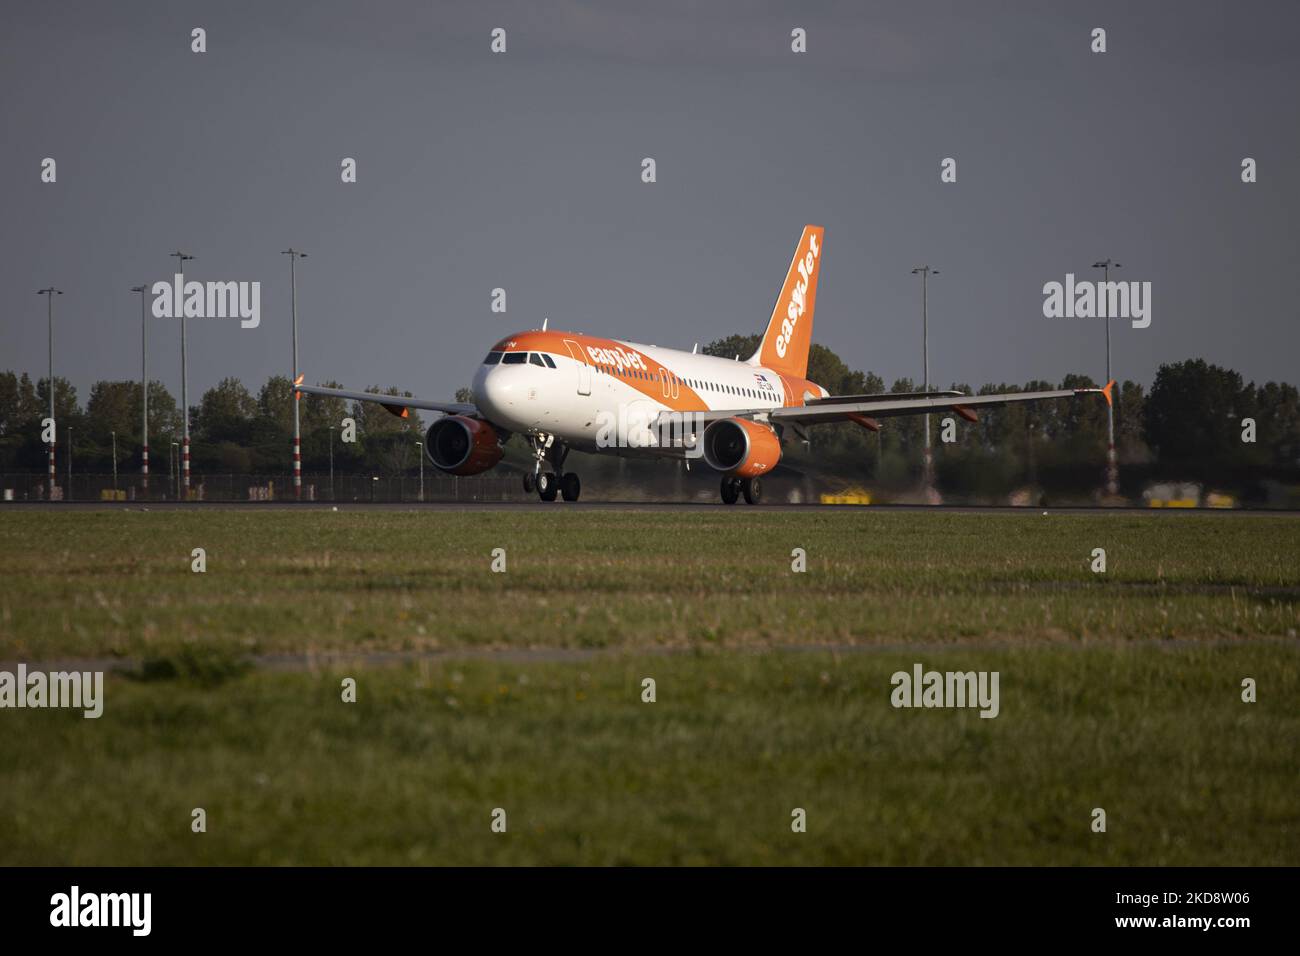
x=514, y=358
x=492, y=358
x=535, y=359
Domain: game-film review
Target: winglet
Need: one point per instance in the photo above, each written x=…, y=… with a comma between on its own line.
x=297, y=395
x=1104, y=392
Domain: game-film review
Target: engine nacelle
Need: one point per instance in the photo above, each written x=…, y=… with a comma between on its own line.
x=745, y=448
x=462, y=446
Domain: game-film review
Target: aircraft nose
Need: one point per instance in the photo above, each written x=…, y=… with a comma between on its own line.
x=498, y=394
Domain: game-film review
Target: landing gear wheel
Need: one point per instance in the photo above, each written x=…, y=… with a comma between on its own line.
x=570, y=486
x=730, y=490
x=547, y=486
x=753, y=489
x=530, y=482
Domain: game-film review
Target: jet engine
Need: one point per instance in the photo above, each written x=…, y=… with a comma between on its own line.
x=744, y=448
x=462, y=446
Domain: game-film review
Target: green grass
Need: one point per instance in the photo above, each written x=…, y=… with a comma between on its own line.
x=119, y=582
x=587, y=773
x=1119, y=691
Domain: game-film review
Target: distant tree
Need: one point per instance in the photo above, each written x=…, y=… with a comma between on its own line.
x=19, y=405
x=112, y=406
x=1130, y=409
x=275, y=403
x=67, y=415
x=224, y=413
x=20, y=417
x=1278, y=412
x=319, y=414
x=388, y=440
x=66, y=407
x=733, y=345
x=1194, y=413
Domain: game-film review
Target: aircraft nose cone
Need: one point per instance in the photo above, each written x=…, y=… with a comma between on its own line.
x=498, y=394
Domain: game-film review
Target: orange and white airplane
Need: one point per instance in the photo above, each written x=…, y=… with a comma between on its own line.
x=565, y=390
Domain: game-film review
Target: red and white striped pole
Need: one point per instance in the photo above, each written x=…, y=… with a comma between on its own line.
x=1112, y=466
x=294, y=255
x=181, y=259
x=49, y=294
x=144, y=387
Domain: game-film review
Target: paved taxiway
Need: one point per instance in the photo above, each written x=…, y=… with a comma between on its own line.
x=660, y=507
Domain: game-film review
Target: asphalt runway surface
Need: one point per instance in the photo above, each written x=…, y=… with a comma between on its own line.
x=660, y=507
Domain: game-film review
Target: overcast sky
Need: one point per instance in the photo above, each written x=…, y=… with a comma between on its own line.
x=523, y=171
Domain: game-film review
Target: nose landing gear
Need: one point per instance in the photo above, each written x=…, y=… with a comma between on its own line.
x=554, y=481
x=547, y=486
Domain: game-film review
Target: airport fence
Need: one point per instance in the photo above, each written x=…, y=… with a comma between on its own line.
x=237, y=487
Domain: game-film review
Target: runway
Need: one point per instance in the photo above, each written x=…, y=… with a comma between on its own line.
x=659, y=507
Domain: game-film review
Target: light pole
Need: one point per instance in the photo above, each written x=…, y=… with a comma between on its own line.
x=68, y=495
x=114, y=434
x=181, y=259
x=1112, y=465
x=420, y=455
x=331, y=430
x=294, y=255
x=49, y=294
x=144, y=388
x=925, y=272
x=171, y=467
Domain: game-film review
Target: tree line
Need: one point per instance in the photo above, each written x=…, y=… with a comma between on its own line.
x=231, y=429
x=1190, y=424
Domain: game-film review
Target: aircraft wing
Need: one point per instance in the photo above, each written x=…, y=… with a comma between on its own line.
x=864, y=409
x=817, y=413
x=397, y=404
x=882, y=397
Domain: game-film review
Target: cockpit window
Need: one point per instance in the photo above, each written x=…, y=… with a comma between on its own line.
x=535, y=359
x=492, y=358
x=514, y=358
x=550, y=362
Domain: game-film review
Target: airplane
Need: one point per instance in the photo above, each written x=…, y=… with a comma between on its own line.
x=568, y=390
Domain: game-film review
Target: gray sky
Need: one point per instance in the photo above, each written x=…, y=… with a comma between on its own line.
x=522, y=171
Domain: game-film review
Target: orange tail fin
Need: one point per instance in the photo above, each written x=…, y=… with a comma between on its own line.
x=789, y=332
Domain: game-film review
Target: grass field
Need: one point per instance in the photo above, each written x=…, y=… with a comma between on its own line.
x=119, y=583
x=1119, y=690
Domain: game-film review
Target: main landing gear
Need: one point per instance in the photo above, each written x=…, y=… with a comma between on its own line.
x=733, y=488
x=554, y=480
